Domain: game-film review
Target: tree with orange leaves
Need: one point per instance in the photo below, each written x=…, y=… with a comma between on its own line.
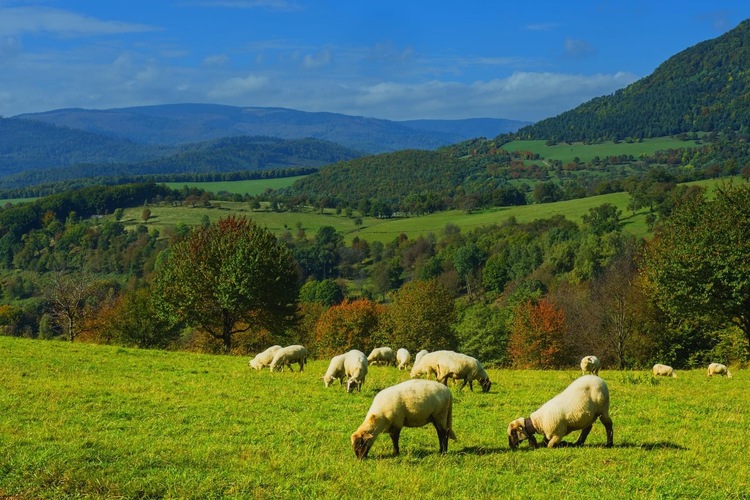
x=536, y=339
x=349, y=325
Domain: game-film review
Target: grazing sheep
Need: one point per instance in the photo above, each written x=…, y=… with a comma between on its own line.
x=590, y=364
x=576, y=408
x=423, y=366
x=718, y=369
x=402, y=358
x=264, y=358
x=664, y=371
x=335, y=371
x=288, y=355
x=383, y=355
x=461, y=367
x=413, y=403
x=419, y=355
x=355, y=367
x=449, y=364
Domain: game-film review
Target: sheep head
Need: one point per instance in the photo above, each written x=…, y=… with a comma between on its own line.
x=518, y=431
x=327, y=380
x=362, y=442
x=486, y=384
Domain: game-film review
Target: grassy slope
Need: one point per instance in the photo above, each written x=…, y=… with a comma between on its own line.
x=82, y=420
x=566, y=152
x=251, y=187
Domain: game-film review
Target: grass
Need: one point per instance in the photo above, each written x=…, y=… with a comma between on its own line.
x=252, y=187
x=586, y=152
x=106, y=422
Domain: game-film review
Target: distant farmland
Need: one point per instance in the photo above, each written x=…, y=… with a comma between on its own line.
x=252, y=187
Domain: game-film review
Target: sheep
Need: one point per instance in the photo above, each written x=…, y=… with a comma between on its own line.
x=355, y=367
x=419, y=355
x=402, y=358
x=288, y=355
x=718, y=369
x=576, y=408
x=413, y=403
x=383, y=355
x=449, y=364
x=422, y=367
x=264, y=358
x=664, y=371
x=335, y=371
x=590, y=364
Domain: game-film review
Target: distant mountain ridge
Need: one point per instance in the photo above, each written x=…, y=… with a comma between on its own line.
x=176, y=124
x=704, y=88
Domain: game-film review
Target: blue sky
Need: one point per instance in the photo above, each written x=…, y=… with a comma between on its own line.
x=386, y=59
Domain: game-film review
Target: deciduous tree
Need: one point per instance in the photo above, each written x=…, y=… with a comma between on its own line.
x=227, y=278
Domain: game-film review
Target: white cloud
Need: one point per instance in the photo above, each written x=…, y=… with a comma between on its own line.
x=578, y=48
x=238, y=87
x=35, y=20
x=216, y=60
x=322, y=58
x=282, y=5
x=541, y=26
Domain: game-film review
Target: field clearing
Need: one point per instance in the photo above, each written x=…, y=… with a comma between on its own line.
x=83, y=420
x=586, y=152
x=252, y=187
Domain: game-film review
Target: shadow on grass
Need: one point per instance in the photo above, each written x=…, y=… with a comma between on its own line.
x=659, y=445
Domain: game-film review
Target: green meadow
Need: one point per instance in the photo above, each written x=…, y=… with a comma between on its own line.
x=90, y=421
x=586, y=152
x=252, y=187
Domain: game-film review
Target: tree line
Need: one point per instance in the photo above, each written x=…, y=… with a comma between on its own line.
x=537, y=295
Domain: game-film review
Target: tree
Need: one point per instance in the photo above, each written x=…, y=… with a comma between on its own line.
x=467, y=261
x=227, y=278
x=69, y=295
x=698, y=262
x=536, y=339
x=349, y=325
x=146, y=214
x=603, y=219
x=421, y=317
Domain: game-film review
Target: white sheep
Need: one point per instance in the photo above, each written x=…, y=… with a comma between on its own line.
x=576, y=408
x=402, y=358
x=264, y=358
x=383, y=355
x=419, y=355
x=718, y=369
x=413, y=403
x=661, y=370
x=423, y=366
x=590, y=364
x=461, y=367
x=355, y=368
x=453, y=365
x=288, y=355
x=335, y=371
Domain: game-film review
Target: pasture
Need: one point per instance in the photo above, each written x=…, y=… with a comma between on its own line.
x=252, y=187
x=83, y=420
x=586, y=152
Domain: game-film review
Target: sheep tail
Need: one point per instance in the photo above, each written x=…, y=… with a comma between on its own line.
x=451, y=434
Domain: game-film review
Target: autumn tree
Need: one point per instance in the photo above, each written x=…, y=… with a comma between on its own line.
x=227, y=278
x=421, y=316
x=71, y=296
x=536, y=338
x=349, y=325
x=698, y=265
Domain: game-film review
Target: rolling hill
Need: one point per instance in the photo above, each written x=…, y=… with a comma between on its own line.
x=704, y=88
x=174, y=124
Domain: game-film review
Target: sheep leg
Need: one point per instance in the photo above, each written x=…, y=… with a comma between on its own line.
x=554, y=441
x=395, y=434
x=608, y=426
x=584, y=434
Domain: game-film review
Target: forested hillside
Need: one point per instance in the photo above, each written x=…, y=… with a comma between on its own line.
x=702, y=89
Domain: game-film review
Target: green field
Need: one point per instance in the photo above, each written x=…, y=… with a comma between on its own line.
x=586, y=152
x=252, y=187
x=87, y=421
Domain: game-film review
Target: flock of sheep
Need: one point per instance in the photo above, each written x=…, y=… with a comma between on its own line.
x=417, y=401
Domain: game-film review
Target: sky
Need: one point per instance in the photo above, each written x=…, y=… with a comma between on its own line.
x=391, y=59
